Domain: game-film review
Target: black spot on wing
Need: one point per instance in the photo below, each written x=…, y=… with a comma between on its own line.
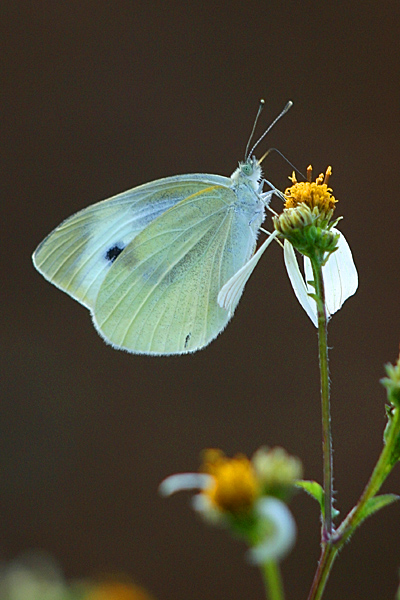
x=112, y=253
x=187, y=339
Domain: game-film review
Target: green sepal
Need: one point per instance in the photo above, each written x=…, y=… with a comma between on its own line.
x=314, y=489
x=334, y=223
x=243, y=525
x=329, y=254
x=314, y=241
x=248, y=527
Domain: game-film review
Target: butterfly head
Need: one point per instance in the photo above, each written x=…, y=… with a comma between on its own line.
x=248, y=171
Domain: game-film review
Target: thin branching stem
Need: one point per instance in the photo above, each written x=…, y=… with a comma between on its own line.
x=331, y=547
x=328, y=555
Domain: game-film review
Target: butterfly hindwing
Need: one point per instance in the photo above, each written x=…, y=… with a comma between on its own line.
x=160, y=295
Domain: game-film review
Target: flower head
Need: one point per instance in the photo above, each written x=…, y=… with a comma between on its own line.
x=306, y=218
x=232, y=494
x=313, y=194
x=233, y=487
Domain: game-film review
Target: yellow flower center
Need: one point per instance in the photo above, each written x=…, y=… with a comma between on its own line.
x=313, y=194
x=235, y=487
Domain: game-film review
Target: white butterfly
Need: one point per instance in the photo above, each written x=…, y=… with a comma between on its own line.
x=149, y=263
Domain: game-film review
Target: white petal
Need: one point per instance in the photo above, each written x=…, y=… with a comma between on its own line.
x=184, y=481
x=202, y=504
x=298, y=284
x=282, y=539
x=340, y=276
x=230, y=293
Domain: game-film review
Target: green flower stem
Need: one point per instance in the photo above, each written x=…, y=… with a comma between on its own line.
x=325, y=399
x=325, y=564
x=272, y=581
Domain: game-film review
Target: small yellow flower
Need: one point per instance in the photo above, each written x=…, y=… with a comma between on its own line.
x=114, y=590
x=234, y=487
x=231, y=494
x=306, y=217
x=314, y=194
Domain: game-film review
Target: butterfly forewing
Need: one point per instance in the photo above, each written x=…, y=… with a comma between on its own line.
x=160, y=295
x=78, y=254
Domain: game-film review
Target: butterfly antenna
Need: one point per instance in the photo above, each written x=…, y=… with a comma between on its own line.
x=283, y=112
x=260, y=107
x=284, y=158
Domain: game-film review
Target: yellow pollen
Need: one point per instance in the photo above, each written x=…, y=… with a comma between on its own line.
x=235, y=487
x=313, y=194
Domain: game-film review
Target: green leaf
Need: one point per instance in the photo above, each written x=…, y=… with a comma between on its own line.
x=314, y=489
x=374, y=504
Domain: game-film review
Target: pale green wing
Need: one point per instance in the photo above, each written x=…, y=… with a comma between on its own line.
x=78, y=254
x=160, y=296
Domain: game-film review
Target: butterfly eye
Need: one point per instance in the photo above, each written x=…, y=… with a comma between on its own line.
x=246, y=168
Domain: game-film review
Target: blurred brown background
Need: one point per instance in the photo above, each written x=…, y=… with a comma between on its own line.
x=101, y=96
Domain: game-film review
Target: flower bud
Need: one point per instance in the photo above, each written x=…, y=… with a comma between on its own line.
x=276, y=471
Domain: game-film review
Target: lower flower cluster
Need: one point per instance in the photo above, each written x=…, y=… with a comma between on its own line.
x=248, y=497
x=36, y=576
